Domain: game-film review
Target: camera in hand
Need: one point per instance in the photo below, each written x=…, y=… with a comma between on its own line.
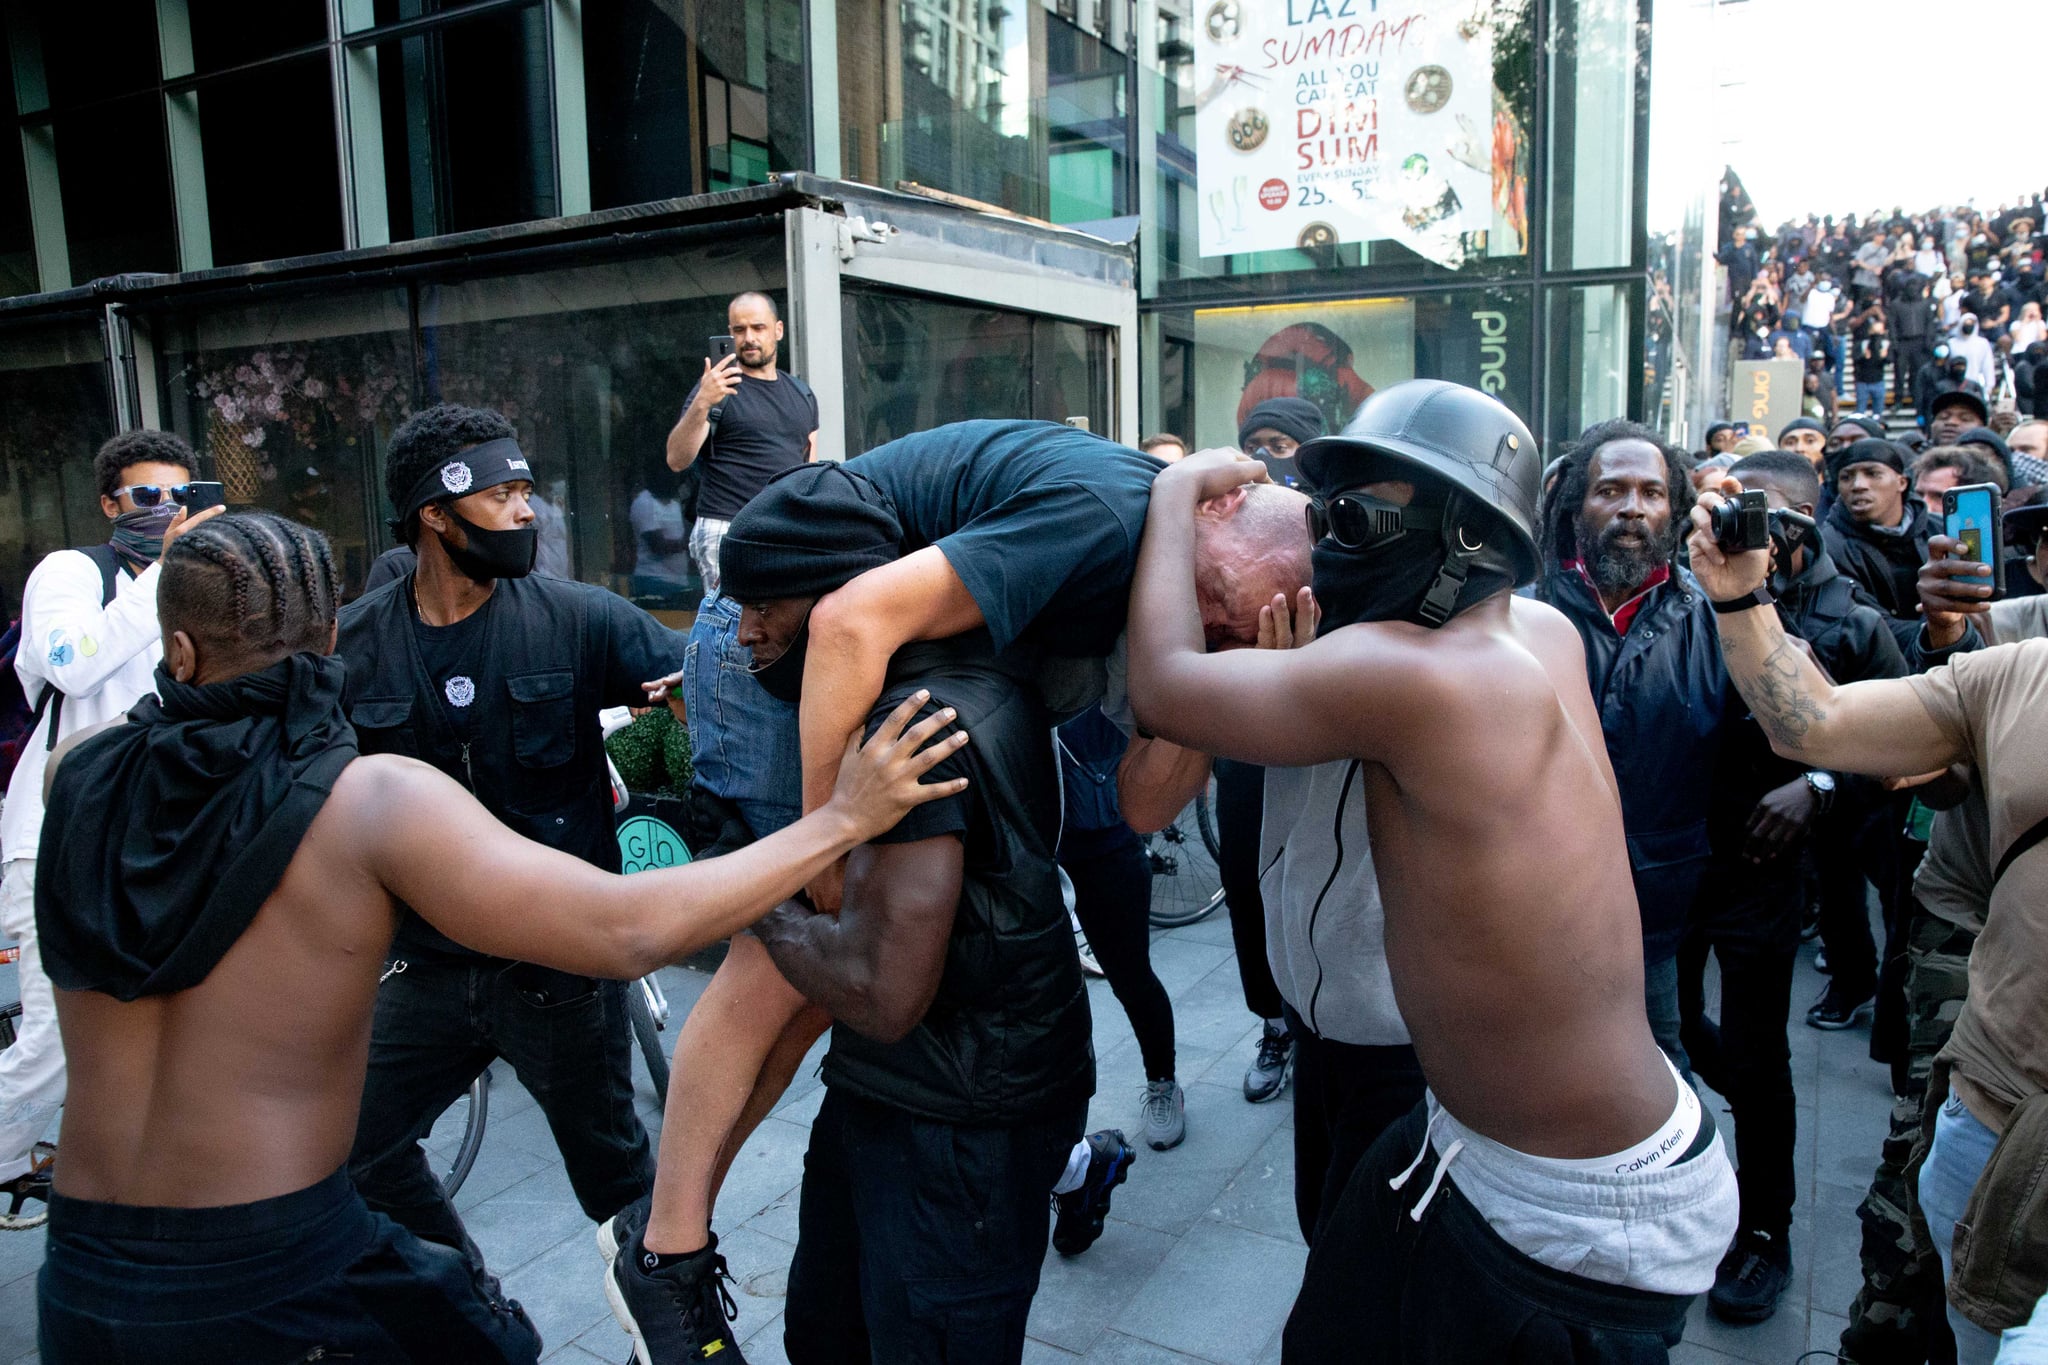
x=1742, y=522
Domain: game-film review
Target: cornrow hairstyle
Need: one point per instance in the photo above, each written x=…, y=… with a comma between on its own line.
x=428, y=438
x=253, y=583
x=1567, y=498
x=122, y=453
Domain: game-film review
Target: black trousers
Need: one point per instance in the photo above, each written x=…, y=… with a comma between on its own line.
x=440, y=1023
x=312, y=1275
x=1240, y=814
x=1748, y=918
x=1907, y=358
x=919, y=1243
x=1345, y=1096
x=1113, y=900
x=1448, y=1291
x=1845, y=843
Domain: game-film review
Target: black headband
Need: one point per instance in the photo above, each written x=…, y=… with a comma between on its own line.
x=469, y=471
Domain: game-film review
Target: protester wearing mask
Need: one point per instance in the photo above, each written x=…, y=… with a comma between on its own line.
x=1748, y=910
x=1872, y=351
x=496, y=678
x=1610, y=537
x=1274, y=430
x=1909, y=326
x=1979, y=358
x=89, y=650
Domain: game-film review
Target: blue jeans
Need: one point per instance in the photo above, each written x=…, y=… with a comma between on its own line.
x=743, y=742
x=1870, y=397
x=1961, y=1149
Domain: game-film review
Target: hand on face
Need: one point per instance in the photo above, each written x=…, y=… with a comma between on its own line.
x=1724, y=577
x=1283, y=628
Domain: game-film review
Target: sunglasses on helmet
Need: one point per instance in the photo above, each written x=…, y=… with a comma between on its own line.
x=1355, y=520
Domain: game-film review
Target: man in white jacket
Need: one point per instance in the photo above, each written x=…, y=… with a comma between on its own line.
x=89, y=650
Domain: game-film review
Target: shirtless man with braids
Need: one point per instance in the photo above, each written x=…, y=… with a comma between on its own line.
x=221, y=878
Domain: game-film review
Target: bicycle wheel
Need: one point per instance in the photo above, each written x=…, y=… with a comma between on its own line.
x=460, y=1132
x=1185, y=883
x=1205, y=820
x=648, y=1034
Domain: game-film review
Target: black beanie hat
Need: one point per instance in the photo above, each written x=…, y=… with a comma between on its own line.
x=810, y=529
x=1870, y=450
x=1990, y=440
x=1801, y=424
x=1869, y=424
x=1296, y=417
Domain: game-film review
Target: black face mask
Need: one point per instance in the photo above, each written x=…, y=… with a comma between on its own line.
x=1390, y=572
x=493, y=554
x=784, y=677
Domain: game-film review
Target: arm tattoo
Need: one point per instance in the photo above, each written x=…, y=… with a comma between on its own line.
x=1777, y=692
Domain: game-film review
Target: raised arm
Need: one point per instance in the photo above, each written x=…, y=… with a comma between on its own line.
x=1879, y=727
x=433, y=847
x=875, y=966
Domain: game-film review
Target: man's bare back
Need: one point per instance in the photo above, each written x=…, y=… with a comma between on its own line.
x=246, y=1086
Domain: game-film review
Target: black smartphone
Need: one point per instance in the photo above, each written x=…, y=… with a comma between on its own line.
x=1970, y=514
x=200, y=496
x=721, y=347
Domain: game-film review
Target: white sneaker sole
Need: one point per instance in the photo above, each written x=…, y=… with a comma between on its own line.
x=622, y=1314
x=607, y=1244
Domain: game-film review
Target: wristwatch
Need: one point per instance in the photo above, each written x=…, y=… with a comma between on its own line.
x=1822, y=784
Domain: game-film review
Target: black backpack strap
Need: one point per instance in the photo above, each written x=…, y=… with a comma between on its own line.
x=2019, y=846
x=52, y=700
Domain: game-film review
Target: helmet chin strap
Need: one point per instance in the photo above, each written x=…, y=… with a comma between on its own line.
x=1441, y=600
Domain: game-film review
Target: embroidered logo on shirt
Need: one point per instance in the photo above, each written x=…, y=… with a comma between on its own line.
x=460, y=691
x=456, y=478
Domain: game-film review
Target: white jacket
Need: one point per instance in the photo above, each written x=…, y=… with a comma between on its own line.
x=102, y=658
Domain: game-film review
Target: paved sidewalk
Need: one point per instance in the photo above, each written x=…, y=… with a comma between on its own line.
x=1201, y=1257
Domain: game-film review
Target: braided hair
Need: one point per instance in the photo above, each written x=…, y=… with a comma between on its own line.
x=1567, y=497
x=253, y=584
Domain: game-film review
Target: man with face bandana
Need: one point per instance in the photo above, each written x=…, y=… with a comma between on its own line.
x=1560, y=1192
x=89, y=647
x=495, y=676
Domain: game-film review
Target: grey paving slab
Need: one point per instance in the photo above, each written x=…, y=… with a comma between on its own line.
x=1260, y=1197
x=529, y=1220
x=1117, y=1349
x=1078, y=1297
x=562, y=1290
x=574, y=1354
x=1215, y=929
x=768, y=1167
x=18, y=1317
x=1213, y=1296
x=1169, y=1191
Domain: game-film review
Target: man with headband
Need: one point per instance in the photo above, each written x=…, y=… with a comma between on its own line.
x=1560, y=1192
x=89, y=645
x=496, y=678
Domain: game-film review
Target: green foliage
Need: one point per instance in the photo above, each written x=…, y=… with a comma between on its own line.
x=653, y=754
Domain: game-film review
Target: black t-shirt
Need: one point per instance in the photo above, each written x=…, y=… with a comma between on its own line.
x=765, y=428
x=457, y=665
x=1040, y=520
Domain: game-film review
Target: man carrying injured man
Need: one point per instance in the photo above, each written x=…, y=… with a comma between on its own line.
x=1560, y=1193
x=1029, y=530
x=220, y=879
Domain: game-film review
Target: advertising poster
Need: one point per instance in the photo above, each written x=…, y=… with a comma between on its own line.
x=1327, y=121
x=1767, y=394
x=1333, y=354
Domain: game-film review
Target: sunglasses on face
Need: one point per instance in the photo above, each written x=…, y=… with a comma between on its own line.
x=153, y=494
x=1355, y=520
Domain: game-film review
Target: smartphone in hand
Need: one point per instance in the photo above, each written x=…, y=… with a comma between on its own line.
x=200, y=496
x=1970, y=513
x=721, y=347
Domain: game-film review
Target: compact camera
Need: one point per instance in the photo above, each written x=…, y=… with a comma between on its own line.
x=1743, y=522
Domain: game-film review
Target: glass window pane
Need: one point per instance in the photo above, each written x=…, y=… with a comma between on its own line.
x=593, y=366
x=290, y=403
x=229, y=33
x=91, y=51
x=53, y=388
x=1593, y=134
x=116, y=185
x=1588, y=354
x=267, y=137
x=914, y=362
x=398, y=11
x=1336, y=354
x=468, y=125
x=1383, y=110
x=17, y=235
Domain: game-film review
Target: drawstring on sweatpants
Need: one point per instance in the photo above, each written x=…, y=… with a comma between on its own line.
x=1443, y=1164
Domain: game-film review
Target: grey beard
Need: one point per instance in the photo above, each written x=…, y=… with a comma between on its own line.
x=1614, y=568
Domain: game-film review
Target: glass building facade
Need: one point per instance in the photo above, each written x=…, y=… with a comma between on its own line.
x=278, y=228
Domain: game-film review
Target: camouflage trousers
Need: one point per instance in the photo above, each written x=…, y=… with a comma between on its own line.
x=1898, y=1316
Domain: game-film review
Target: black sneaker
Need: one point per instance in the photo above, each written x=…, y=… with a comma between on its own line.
x=32, y=1184
x=1820, y=963
x=1837, y=1009
x=1752, y=1276
x=622, y=1227
x=1267, y=1075
x=678, y=1313
x=1079, y=1213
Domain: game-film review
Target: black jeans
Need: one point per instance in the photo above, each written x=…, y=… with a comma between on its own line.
x=440, y=1023
x=311, y=1275
x=919, y=1243
x=1345, y=1096
x=1382, y=1287
x=1843, y=850
x=1240, y=814
x=1113, y=900
x=1749, y=919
